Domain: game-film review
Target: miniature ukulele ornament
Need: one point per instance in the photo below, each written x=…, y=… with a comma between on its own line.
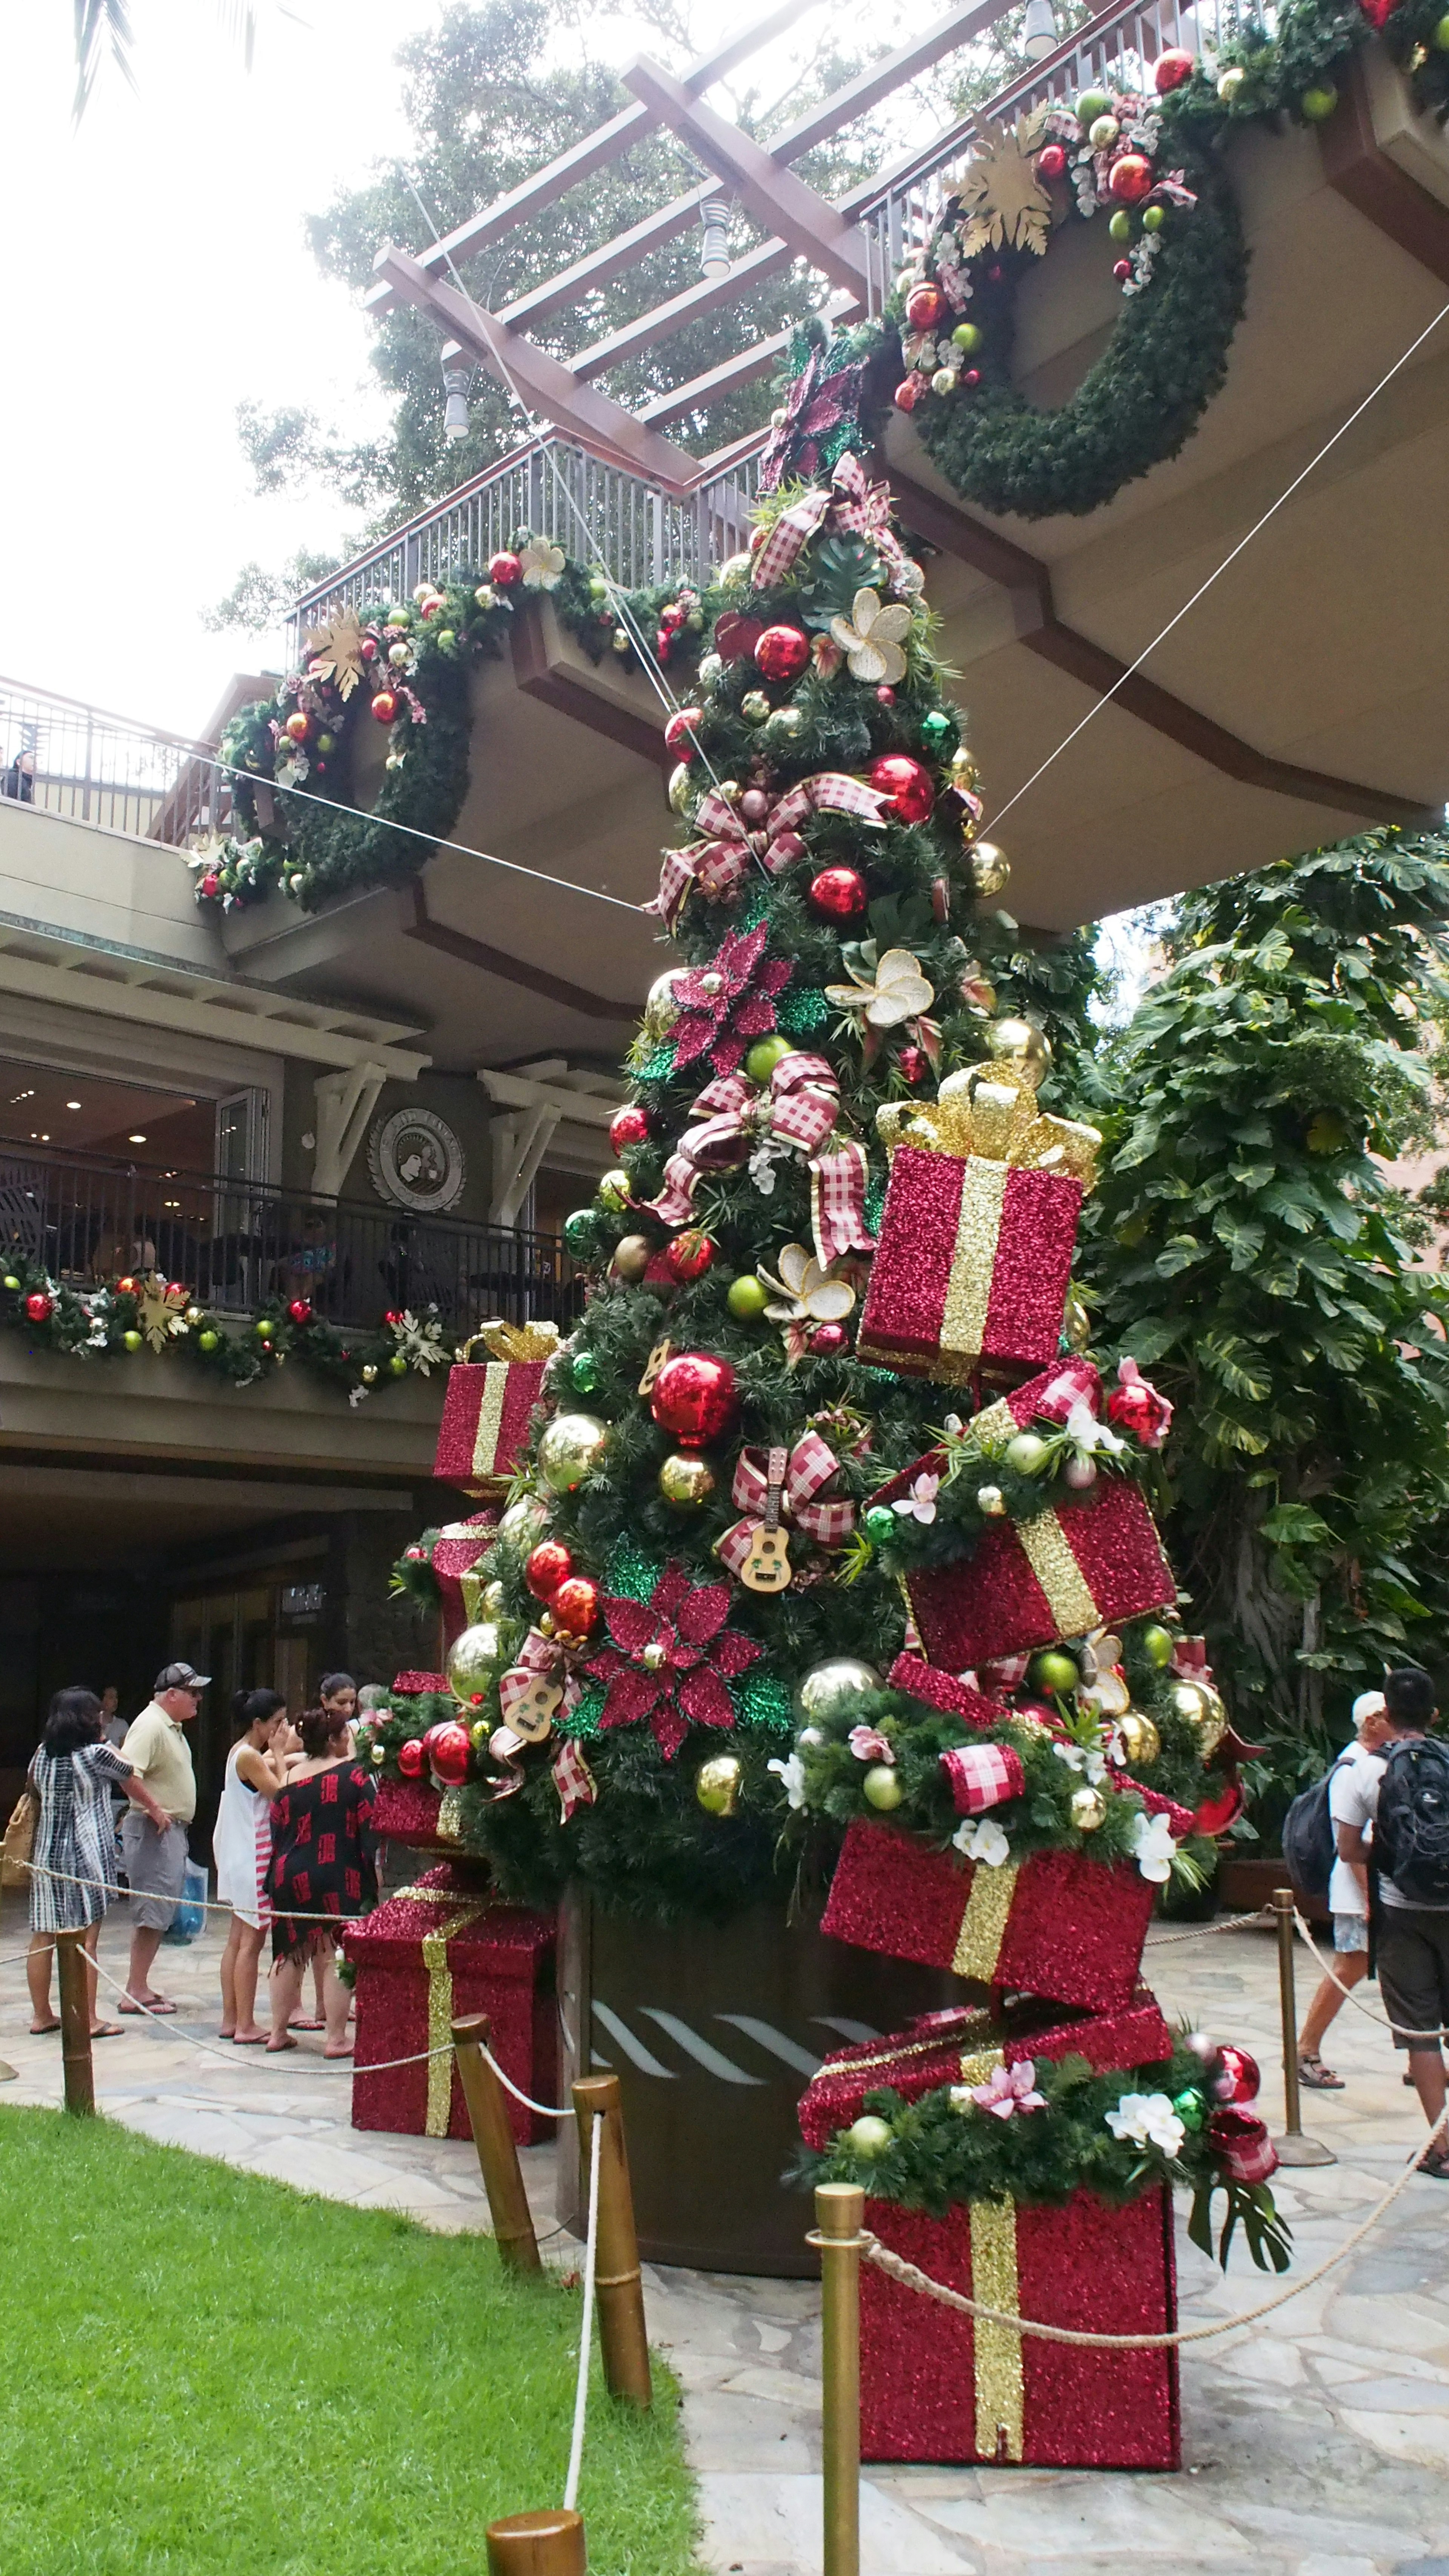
x=767, y=1567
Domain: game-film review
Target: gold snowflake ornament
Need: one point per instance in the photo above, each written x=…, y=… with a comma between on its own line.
x=1005, y=204
x=336, y=651
x=871, y=638
x=161, y=1309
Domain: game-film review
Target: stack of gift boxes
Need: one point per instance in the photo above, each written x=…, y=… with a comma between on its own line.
x=968, y=1287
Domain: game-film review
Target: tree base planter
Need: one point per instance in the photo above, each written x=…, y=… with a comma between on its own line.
x=714, y=2030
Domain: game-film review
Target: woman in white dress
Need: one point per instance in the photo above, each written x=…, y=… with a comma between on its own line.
x=242, y=1849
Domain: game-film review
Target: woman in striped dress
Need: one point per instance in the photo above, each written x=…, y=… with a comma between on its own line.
x=75, y=1838
x=242, y=1849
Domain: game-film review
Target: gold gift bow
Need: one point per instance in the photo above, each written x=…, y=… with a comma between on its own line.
x=976, y=1116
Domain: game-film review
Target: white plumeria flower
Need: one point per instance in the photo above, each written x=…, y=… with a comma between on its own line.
x=791, y=1773
x=895, y=990
x=542, y=564
x=807, y=1292
x=983, y=1840
x=357, y=1395
x=1153, y=1847
x=920, y=1503
x=1148, y=2120
x=871, y=638
x=1086, y=1433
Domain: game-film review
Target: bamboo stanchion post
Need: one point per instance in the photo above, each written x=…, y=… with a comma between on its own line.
x=498, y=2160
x=75, y=2023
x=623, y=2336
x=839, y=2209
x=538, y=2544
x=1293, y=2148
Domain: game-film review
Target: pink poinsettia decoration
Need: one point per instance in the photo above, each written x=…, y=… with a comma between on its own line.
x=725, y=1006
x=669, y=1659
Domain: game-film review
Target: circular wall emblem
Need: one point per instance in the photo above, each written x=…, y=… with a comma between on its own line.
x=416, y=1162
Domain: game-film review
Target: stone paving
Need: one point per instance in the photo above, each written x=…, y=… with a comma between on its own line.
x=1316, y=2441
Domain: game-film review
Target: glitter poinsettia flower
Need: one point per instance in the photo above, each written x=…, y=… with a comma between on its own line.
x=725, y=1006
x=669, y=1659
x=871, y=638
x=542, y=564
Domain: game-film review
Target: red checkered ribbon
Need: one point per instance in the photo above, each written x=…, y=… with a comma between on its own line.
x=982, y=1776
x=809, y=1466
x=793, y=529
x=572, y=1778
x=736, y=840
x=860, y=508
x=799, y=1108
x=837, y=1203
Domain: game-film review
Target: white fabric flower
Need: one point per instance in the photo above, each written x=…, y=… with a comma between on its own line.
x=1086, y=1433
x=1089, y=1759
x=894, y=989
x=1153, y=1846
x=869, y=1745
x=766, y=1155
x=542, y=564
x=1148, y=2120
x=920, y=1503
x=791, y=1773
x=982, y=1839
x=871, y=638
x=806, y=1291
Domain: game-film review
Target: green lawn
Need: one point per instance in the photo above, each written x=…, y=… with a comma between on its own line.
x=209, y=2375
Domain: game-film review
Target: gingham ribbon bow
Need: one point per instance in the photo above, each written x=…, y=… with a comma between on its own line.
x=540, y=1658
x=799, y=1108
x=982, y=1776
x=809, y=1466
x=862, y=509
x=734, y=841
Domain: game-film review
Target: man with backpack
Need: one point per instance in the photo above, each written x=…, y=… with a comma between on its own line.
x=1408, y=1805
x=1310, y=1850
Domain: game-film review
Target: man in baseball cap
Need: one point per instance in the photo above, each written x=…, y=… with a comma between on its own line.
x=155, y=1858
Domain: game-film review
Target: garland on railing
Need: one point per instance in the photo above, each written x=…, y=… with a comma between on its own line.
x=405, y=667
x=152, y=1316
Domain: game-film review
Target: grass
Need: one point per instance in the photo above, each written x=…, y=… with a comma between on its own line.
x=205, y=2374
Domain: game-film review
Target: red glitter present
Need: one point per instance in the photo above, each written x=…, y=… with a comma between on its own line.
x=937, y=2385
x=456, y=1553
x=489, y=1404
x=432, y=1951
x=963, y=2046
x=406, y=1811
x=1057, y=1925
x=1031, y=1582
x=943, y=1691
x=973, y=1264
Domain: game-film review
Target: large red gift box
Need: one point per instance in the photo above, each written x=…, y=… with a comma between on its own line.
x=489, y=1403
x=1056, y=1925
x=435, y=1950
x=973, y=1264
x=962, y=2046
x=1060, y=1574
x=937, y=2385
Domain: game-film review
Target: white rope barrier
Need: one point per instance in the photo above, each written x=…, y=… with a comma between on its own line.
x=586, y=2332
x=545, y=2110
x=1229, y=1923
x=199, y=1904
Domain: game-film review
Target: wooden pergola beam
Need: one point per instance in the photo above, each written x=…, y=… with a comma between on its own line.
x=742, y=369
x=572, y=284
x=809, y=225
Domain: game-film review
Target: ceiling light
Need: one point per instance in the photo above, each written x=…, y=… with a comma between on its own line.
x=135, y=1140
x=714, y=248
x=1039, y=34
x=72, y=1104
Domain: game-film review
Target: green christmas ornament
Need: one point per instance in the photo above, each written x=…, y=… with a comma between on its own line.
x=936, y=730
x=1440, y=38
x=1053, y=1671
x=868, y=2136
x=614, y=1192
x=584, y=1371
x=581, y=1234
x=967, y=337
x=1027, y=1454
x=747, y=1298
x=207, y=1341
x=397, y=1365
x=880, y=1525
x=131, y=1341
x=11, y=1281
x=1120, y=226
x=1190, y=2108
x=1153, y=218
x=1158, y=1645
x=1319, y=102
x=764, y=1055
x=881, y=1787
x=1091, y=104
x=783, y=726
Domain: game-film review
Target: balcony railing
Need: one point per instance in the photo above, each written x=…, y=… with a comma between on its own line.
x=236, y=1244
x=598, y=513
x=76, y=760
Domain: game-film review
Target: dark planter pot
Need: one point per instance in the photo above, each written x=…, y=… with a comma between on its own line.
x=1242, y=1884
x=714, y=2031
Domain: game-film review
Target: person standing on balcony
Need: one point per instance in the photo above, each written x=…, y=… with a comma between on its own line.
x=242, y=1849
x=19, y=779
x=155, y=1854
x=73, y=1856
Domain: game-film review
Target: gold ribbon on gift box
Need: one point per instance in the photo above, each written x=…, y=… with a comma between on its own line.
x=1000, y=2391
x=504, y=1344
x=440, y=2000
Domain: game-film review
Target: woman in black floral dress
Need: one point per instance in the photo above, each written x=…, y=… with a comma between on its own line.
x=321, y=1864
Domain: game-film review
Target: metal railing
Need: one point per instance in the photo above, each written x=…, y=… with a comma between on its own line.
x=597, y=513
x=235, y=1244
x=76, y=760
x=1116, y=49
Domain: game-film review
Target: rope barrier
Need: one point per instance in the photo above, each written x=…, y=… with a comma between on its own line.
x=586, y=2332
x=201, y=1904
x=1229, y=1923
x=1352, y=1996
x=545, y=2110
x=912, y=2278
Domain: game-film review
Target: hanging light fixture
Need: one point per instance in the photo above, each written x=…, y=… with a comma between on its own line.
x=714, y=248
x=455, y=385
x=1039, y=35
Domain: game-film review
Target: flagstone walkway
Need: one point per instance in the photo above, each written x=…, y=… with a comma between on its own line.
x=1316, y=2442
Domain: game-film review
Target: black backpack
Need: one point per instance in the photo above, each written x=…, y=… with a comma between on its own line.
x=1411, y=1828
x=1309, y=1848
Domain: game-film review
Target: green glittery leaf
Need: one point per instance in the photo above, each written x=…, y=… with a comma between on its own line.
x=631, y=1575
x=583, y=1721
x=875, y=1199
x=800, y=1013
x=762, y=1701
x=655, y=1068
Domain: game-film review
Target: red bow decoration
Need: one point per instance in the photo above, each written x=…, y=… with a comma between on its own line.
x=809, y=1466
x=800, y=1108
x=852, y=504
x=759, y=830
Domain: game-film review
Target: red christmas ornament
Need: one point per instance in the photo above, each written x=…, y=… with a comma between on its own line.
x=679, y=733
x=177, y=1288
x=924, y=307
x=39, y=1307
x=735, y=636
x=369, y=648
x=671, y=616
x=410, y=1758
x=628, y=1126
x=128, y=1288
x=549, y=1565
x=300, y=1311
x=1236, y=2078
x=432, y=605
x=695, y=1397
x=575, y=1606
x=828, y=1341
x=1051, y=161
x=908, y=392
x=1171, y=70
x=838, y=894
x=757, y=539
x=1130, y=178
x=972, y=377
x=886, y=694
x=912, y=1063
x=211, y=883
x=908, y=787
x=447, y=1750
x=384, y=706
x=298, y=725
x=1121, y=270
x=504, y=570
x=782, y=652
x=689, y=1255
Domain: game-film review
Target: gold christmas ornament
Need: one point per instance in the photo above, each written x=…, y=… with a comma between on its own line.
x=660, y=1007
x=492, y=1600
x=1200, y=1704
x=686, y=1482
x=990, y=1500
x=965, y=776
x=840, y=1687
x=655, y=1656
x=736, y=572
x=1020, y=1046
x=754, y=706
x=1089, y=1810
x=989, y=869
x=1140, y=1740
x=631, y=1257
x=614, y=1191
x=717, y=1784
x=1076, y=1325
x=524, y=1521
x=570, y=1450
x=679, y=787
x=474, y=1659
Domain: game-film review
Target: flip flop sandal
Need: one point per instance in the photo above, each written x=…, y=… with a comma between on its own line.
x=306, y=2024
x=1435, y=2161
x=108, y=2030
x=162, y=2006
x=259, y=2042
x=1318, y=2078
x=43, y=2029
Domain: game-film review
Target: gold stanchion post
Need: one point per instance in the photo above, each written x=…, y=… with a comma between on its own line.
x=538, y=2544
x=839, y=2209
x=498, y=2159
x=1293, y=2148
x=623, y=2336
x=75, y=2023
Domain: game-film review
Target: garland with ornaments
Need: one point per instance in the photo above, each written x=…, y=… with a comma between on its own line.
x=1150, y=165
x=152, y=1317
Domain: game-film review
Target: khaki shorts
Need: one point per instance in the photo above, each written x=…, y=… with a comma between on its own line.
x=155, y=1865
